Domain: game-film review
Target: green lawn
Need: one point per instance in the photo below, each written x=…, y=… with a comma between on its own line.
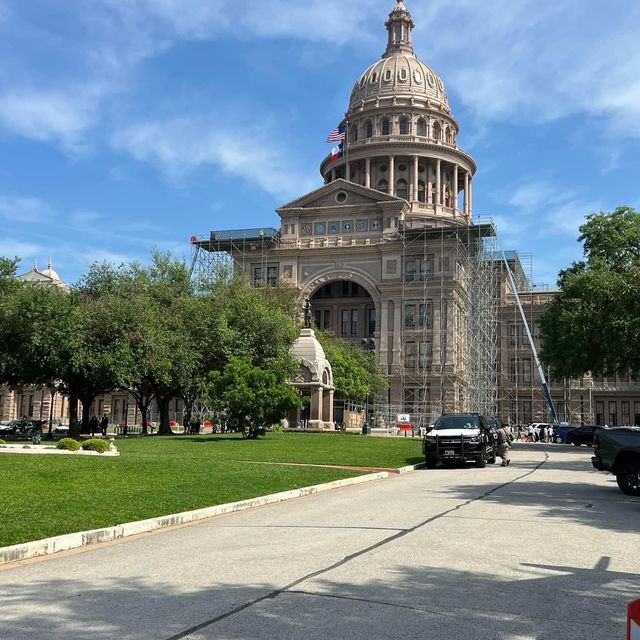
x=44, y=496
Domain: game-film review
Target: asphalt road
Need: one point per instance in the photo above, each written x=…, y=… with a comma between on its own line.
x=545, y=549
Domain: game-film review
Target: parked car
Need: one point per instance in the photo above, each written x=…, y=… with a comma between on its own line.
x=16, y=429
x=618, y=451
x=582, y=435
x=560, y=432
x=459, y=438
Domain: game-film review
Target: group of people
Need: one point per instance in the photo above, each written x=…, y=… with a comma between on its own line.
x=537, y=433
x=102, y=425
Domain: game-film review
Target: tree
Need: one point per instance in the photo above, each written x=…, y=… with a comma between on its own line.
x=593, y=322
x=355, y=371
x=252, y=398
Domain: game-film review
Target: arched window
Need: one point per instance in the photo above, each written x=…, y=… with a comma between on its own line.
x=385, y=127
x=421, y=127
x=404, y=127
x=369, y=129
x=402, y=190
x=449, y=137
x=383, y=186
x=354, y=133
x=437, y=131
x=422, y=192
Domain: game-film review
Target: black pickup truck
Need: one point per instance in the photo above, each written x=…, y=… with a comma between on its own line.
x=618, y=451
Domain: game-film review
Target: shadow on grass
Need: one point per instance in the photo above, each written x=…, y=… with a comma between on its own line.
x=535, y=602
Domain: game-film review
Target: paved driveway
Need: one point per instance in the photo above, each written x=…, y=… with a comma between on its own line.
x=545, y=549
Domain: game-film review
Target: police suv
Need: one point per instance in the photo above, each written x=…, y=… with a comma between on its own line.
x=460, y=437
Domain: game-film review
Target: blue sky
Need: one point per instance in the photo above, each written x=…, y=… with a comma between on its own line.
x=132, y=124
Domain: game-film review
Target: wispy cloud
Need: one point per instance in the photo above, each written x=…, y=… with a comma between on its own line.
x=180, y=145
x=10, y=248
x=21, y=209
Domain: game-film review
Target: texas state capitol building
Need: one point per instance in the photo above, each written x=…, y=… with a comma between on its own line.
x=389, y=255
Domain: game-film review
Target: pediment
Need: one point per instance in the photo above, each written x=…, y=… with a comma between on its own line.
x=327, y=197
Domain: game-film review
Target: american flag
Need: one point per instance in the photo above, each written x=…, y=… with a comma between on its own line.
x=337, y=135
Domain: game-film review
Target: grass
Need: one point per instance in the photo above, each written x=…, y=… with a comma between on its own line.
x=43, y=496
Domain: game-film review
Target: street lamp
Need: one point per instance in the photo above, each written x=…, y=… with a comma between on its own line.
x=369, y=346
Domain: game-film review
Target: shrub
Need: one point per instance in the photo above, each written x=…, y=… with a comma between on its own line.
x=101, y=446
x=2, y=442
x=69, y=444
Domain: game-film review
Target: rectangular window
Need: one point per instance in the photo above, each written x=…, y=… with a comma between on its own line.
x=443, y=264
x=599, y=412
x=272, y=276
x=372, y=322
x=613, y=413
x=293, y=228
x=410, y=316
x=424, y=355
x=354, y=322
x=526, y=411
x=513, y=334
x=513, y=370
x=526, y=370
x=316, y=315
x=327, y=319
x=257, y=276
x=410, y=270
x=345, y=322
x=636, y=413
x=410, y=355
x=425, y=315
x=625, y=405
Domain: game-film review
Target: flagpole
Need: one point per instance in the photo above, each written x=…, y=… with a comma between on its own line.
x=347, y=177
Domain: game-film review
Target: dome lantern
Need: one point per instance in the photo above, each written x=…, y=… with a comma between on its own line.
x=399, y=25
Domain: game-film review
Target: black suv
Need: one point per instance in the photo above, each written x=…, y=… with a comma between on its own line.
x=459, y=438
x=618, y=451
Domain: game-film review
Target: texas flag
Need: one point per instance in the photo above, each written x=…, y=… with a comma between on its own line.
x=337, y=152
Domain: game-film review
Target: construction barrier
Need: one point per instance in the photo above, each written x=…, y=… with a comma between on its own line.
x=633, y=620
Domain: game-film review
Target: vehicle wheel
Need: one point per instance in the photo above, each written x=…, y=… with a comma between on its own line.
x=430, y=462
x=492, y=459
x=629, y=479
x=575, y=444
x=558, y=440
x=481, y=462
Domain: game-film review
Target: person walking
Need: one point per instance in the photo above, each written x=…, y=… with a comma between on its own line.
x=93, y=425
x=104, y=424
x=504, y=444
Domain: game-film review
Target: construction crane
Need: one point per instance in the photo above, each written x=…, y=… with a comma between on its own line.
x=543, y=380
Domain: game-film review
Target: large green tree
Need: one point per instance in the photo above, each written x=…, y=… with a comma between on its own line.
x=355, y=371
x=593, y=322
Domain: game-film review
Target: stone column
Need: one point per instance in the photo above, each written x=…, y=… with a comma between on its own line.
x=470, y=195
x=384, y=335
x=466, y=193
x=367, y=173
x=333, y=175
x=397, y=334
x=415, y=178
x=327, y=409
x=455, y=187
x=392, y=176
x=438, y=181
x=315, y=413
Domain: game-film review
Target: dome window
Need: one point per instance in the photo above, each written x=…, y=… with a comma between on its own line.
x=437, y=131
x=401, y=189
x=369, y=129
x=385, y=127
x=354, y=133
x=383, y=186
x=421, y=127
x=387, y=75
x=417, y=76
x=403, y=75
x=404, y=127
x=431, y=80
x=374, y=77
x=341, y=197
x=422, y=192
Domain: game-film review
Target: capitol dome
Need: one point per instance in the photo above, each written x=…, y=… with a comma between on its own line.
x=399, y=73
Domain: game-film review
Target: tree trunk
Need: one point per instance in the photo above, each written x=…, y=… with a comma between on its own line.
x=74, y=430
x=163, y=406
x=86, y=405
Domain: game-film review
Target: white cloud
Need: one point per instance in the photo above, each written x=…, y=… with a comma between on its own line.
x=24, y=250
x=183, y=144
x=20, y=209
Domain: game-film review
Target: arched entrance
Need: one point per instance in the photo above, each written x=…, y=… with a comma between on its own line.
x=346, y=309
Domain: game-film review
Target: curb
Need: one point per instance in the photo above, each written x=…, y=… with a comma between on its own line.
x=410, y=468
x=69, y=541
